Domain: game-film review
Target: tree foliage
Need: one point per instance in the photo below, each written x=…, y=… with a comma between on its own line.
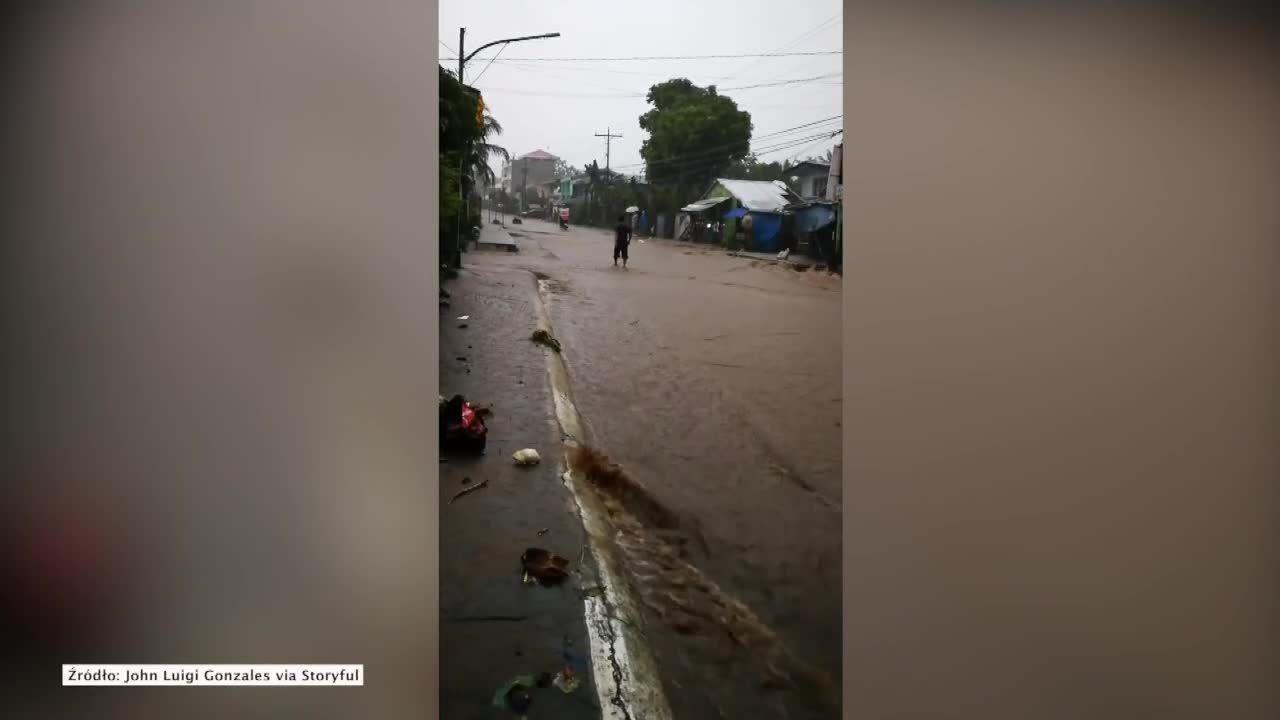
x=750, y=168
x=695, y=134
x=465, y=152
x=564, y=169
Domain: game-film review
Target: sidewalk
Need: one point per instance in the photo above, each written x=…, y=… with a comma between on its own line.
x=496, y=237
x=792, y=259
x=492, y=627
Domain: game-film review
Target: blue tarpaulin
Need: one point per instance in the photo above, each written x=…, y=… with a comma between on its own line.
x=735, y=213
x=765, y=228
x=814, y=217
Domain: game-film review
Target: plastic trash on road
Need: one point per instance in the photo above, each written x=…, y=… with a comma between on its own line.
x=515, y=695
x=526, y=457
x=567, y=680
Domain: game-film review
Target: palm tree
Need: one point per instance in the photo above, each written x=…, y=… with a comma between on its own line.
x=481, y=151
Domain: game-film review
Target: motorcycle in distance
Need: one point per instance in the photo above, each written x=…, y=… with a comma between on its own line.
x=564, y=218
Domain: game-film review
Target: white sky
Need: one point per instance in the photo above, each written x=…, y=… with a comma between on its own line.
x=522, y=96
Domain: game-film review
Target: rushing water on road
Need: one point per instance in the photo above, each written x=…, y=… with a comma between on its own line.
x=714, y=383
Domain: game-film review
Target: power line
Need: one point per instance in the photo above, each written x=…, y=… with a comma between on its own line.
x=715, y=151
x=708, y=155
x=758, y=152
x=775, y=144
x=626, y=95
x=446, y=47
x=570, y=68
x=486, y=67
x=779, y=52
x=639, y=58
x=608, y=144
x=776, y=83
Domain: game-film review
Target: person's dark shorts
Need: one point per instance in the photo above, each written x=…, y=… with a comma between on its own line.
x=620, y=249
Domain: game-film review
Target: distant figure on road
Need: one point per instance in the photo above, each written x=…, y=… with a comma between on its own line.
x=621, y=239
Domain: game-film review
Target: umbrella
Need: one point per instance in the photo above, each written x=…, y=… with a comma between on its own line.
x=632, y=209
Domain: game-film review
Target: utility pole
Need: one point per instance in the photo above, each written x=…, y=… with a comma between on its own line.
x=608, y=140
x=463, y=57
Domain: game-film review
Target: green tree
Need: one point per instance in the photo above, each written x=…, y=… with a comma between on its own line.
x=481, y=150
x=695, y=134
x=750, y=168
x=465, y=151
x=565, y=170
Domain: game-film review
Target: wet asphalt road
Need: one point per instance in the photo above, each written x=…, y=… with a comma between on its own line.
x=715, y=382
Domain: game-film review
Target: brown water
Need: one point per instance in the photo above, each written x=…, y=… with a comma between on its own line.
x=713, y=383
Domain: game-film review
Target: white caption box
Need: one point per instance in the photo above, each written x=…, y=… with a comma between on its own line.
x=204, y=675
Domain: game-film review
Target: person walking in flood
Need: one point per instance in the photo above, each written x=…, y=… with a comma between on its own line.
x=621, y=239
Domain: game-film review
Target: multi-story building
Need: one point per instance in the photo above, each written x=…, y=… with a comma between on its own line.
x=528, y=171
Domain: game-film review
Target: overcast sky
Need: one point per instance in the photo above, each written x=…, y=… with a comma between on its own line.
x=559, y=106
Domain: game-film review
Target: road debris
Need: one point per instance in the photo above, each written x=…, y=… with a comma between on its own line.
x=567, y=681
x=542, y=337
x=526, y=457
x=544, y=566
x=514, y=695
x=461, y=428
x=469, y=488
x=542, y=532
x=464, y=317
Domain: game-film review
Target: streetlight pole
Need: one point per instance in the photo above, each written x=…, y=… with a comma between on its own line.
x=463, y=57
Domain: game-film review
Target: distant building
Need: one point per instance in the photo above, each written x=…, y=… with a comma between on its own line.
x=811, y=178
x=528, y=170
x=761, y=204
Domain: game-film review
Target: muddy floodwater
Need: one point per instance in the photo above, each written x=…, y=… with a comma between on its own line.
x=712, y=384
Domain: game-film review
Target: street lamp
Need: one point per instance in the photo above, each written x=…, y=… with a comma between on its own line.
x=463, y=58
x=462, y=64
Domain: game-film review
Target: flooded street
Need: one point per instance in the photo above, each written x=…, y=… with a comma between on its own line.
x=714, y=383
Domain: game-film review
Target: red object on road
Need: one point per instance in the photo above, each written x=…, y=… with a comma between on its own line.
x=461, y=429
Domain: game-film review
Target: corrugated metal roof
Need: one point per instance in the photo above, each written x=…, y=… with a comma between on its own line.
x=703, y=204
x=759, y=195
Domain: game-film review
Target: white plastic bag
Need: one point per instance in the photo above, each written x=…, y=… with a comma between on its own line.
x=527, y=456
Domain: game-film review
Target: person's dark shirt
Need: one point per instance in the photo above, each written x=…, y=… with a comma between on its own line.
x=622, y=233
